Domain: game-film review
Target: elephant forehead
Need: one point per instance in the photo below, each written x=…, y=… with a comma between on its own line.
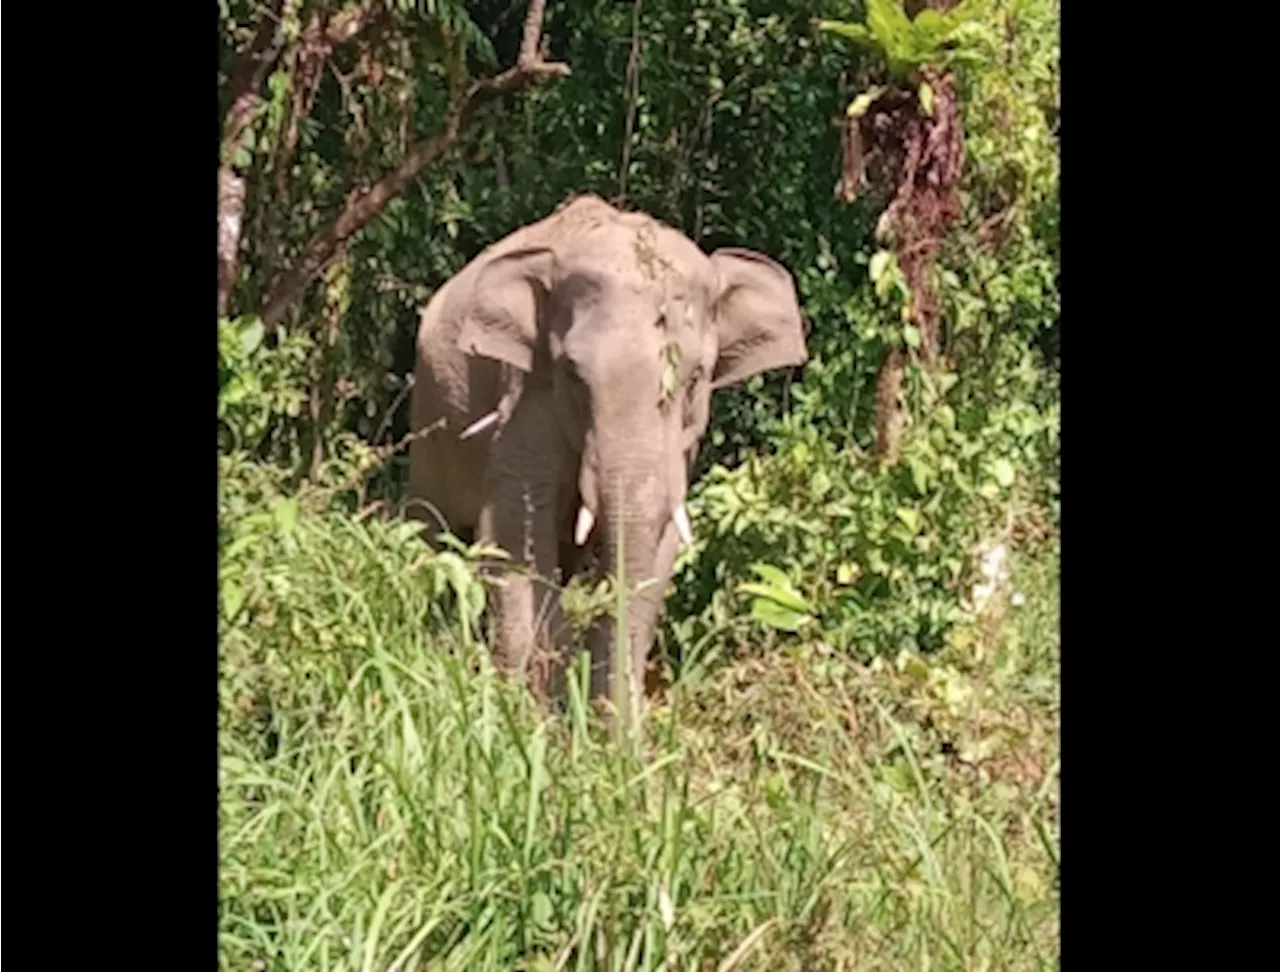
x=641, y=257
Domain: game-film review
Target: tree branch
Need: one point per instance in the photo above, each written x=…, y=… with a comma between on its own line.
x=363, y=207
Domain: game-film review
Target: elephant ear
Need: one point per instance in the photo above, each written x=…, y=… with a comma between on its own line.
x=757, y=317
x=500, y=320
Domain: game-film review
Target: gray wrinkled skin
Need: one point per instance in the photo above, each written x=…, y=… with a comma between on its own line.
x=598, y=337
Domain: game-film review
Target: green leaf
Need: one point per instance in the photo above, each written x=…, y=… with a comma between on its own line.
x=964, y=13
x=779, y=595
x=238, y=546
x=861, y=104
x=846, y=574
x=1002, y=469
x=854, y=32
x=776, y=616
x=911, y=665
x=898, y=776
x=232, y=599
x=919, y=474
x=286, y=514
x=410, y=530
x=926, y=98
x=541, y=909
x=879, y=263
x=929, y=21
x=893, y=32
x=909, y=517
x=819, y=484
x=771, y=575
x=251, y=337
x=888, y=22
x=911, y=336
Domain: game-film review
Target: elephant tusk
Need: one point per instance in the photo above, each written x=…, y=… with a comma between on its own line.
x=479, y=425
x=582, y=530
x=681, y=518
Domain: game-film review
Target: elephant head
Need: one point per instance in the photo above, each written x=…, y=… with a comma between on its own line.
x=628, y=326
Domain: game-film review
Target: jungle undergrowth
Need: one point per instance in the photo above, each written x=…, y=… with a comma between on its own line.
x=386, y=799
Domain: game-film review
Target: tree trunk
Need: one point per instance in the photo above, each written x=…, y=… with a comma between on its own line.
x=263, y=52
x=244, y=100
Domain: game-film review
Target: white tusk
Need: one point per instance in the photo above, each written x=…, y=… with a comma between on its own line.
x=479, y=425
x=582, y=530
x=681, y=518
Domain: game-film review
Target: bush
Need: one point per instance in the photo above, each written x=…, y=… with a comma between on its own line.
x=386, y=801
x=856, y=763
x=882, y=552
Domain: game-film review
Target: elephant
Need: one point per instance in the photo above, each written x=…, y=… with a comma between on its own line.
x=562, y=386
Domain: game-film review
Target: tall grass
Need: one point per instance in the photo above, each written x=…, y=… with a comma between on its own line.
x=386, y=801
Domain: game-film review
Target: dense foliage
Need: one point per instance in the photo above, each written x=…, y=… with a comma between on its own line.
x=902, y=161
x=386, y=802
x=720, y=120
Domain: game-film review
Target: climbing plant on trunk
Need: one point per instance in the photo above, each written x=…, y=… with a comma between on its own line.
x=903, y=142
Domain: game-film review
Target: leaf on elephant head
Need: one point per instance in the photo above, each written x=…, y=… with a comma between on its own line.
x=670, y=370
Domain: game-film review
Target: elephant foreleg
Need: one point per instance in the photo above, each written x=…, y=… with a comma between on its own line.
x=522, y=517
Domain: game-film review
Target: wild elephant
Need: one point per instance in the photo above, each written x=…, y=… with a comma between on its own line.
x=562, y=386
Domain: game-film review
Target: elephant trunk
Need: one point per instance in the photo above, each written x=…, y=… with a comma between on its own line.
x=637, y=534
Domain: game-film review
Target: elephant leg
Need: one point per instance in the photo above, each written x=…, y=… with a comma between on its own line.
x=522, y=517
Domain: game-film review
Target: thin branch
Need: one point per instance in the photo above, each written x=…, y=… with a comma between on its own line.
x=364, y=206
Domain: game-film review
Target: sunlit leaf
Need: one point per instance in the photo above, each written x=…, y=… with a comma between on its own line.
x=251, y=336
x=879, y=263
x=1002, y=469
x=926, y=98
x=853, y=32
x=286, y=514
x=775, y=615
x=861, y=104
